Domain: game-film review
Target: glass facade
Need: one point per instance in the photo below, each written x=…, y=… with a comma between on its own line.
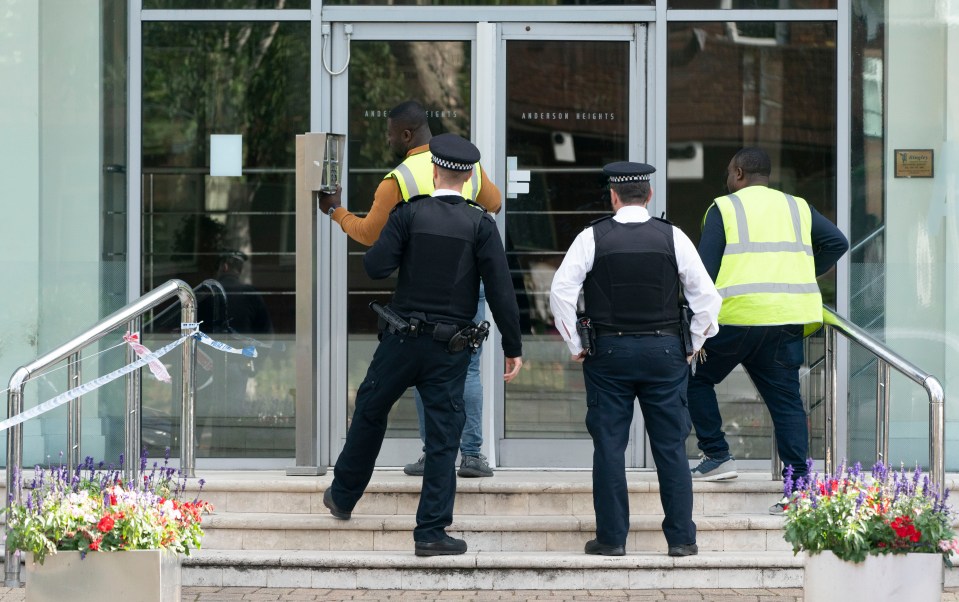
x=230, y=238
x=764, y=98
x=820, y=100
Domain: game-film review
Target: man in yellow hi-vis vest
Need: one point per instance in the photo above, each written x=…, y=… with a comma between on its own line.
x=764, y=249
x=408, y=135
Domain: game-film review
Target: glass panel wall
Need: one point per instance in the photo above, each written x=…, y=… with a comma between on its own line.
x=913, y=46
x=492, y=2
x=751, y=4
x=867, y=269
x=437, y=74
x=726, y=93
x=63, y=116
x=231, y=238
x=567, y=116
x=225, y=4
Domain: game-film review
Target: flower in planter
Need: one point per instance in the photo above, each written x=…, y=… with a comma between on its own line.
x=92, y=509
x=853, y=514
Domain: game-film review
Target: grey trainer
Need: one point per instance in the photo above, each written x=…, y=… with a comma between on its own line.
x=474, y=466
x=416, y=469
x=713, y=469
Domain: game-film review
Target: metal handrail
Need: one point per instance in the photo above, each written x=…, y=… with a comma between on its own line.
x=833, y=323
x=130, y=316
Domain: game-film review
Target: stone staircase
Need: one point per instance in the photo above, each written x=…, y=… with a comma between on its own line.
x=525, y=530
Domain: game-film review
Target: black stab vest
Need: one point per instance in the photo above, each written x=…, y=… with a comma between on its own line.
x=634, y=284
x=438, y=274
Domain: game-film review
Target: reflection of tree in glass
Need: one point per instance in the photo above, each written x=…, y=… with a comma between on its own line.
x=384, y=74
x=374, y=87
x=226, y=78
x=440, y=71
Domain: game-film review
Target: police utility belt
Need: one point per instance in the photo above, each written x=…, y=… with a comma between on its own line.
x=589, y=332
x=456, y=337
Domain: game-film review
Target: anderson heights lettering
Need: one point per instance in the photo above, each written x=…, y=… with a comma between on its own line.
x=566, y=116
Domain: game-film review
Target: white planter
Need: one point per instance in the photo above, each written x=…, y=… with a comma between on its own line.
x=142, y=575
x=900, y=577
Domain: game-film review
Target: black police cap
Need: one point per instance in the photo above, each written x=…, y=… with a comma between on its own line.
x=627, y=171
x=454, y=152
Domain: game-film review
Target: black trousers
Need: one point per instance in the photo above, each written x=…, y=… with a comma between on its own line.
x=399, y=363
x=654, y=369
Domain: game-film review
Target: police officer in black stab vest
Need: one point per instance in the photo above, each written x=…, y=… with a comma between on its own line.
x=631, y=268
x=443, y=245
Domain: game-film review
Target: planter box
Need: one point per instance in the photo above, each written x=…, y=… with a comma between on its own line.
x=912, y=577
x=142, y=575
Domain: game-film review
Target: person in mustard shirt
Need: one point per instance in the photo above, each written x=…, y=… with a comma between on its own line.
x=408, y=135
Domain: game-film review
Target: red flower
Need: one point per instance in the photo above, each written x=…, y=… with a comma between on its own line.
x=904, y=528
x=95, y=544
x=105, y=524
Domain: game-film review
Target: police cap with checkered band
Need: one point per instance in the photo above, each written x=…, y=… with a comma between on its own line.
x=454, y=152
x=627, y=171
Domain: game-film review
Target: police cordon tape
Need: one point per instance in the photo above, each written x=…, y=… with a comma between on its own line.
x=96, y=383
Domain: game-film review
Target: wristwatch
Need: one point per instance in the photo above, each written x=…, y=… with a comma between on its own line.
x=331, y=210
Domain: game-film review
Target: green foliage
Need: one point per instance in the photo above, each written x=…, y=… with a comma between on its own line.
x=855, y=515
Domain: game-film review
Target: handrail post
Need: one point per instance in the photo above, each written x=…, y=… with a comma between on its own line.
x=132, y=416
x=831, y=376
x=187, y=389
x=937, y=431
x=11, y=564
x=882, y=410
x=74, y=373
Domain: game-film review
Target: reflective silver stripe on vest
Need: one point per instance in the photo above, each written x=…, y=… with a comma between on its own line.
x=767, y=287
x=744, y=246
x=741, y=227
x=403, y=170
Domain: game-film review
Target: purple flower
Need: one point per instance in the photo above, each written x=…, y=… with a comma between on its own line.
x=787, y=481
x=860, y=499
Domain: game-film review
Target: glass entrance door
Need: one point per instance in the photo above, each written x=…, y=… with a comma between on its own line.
x=572, y=104
x=386, y=66
x=565, y=101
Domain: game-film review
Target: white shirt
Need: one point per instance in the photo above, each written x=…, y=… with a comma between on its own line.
x=700, y=292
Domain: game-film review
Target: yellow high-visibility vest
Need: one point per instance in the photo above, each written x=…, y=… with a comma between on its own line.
x=415, y=177
x=768, y=274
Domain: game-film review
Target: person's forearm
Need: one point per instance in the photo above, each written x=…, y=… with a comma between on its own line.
x=366, y=230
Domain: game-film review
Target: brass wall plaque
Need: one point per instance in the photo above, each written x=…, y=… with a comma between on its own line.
x=913, y=162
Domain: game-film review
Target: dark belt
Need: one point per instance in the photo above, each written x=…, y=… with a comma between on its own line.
x=428, y=328
x=609, y=332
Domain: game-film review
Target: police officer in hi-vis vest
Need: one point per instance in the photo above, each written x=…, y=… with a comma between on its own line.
x=443, y=246
x=764, y=249
x=408, y=135
x=632, y=268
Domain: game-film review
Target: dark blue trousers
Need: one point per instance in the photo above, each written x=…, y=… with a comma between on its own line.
x=654, y=369
x=399, y=363
x=771, y=355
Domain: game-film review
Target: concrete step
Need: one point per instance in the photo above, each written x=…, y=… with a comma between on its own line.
x=483, y=533
x=508, y=493
x=487, y=570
